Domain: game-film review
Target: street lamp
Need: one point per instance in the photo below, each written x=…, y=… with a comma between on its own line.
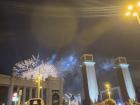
x=133, y=10
x=108, y=87
x=138, y=4
x=130, y=7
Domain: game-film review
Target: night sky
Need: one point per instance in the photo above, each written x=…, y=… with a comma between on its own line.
x=54, y=27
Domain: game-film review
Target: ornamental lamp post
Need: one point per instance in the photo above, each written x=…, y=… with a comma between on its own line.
x=38, y=80
x=108, y=87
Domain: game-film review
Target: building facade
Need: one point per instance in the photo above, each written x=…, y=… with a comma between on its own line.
x=51, y=91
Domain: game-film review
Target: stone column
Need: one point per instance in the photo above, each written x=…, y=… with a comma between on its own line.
x=23, y=96
x=10, y=94
x=61, y=91
x=50, y=95
x=46, y=97
x=49, y=92
x=36, y=93
x=20, y=94
x=41, y=93
x=30, y=92
x=19, y=91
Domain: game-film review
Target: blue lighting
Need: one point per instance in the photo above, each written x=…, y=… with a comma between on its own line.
x=71, y=58
x=119, y=102
x=52, y=60
x=67, y=63
x=74, y=61
x=107, y=65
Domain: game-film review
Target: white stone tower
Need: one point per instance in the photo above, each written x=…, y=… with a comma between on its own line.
x=125, y=80
x=89, y=79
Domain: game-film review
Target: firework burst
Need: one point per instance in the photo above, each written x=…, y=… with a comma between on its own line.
x=30, y=68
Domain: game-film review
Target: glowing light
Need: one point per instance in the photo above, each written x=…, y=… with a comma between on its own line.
x=130, y=7
x=133, y=10
x=15, y=94
x=119, y=103
x=15, y=97
x=138, y=4
x=89, y=63
x=71, y=58
x=107, y=85
x=109, y=93
x=135, y=14
x=127, y=13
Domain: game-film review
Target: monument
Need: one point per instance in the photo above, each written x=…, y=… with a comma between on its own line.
x=125, y=80
x=89, y=80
